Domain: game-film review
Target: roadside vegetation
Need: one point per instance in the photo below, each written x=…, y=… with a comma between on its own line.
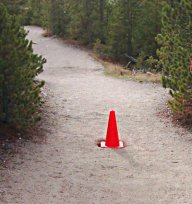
x=19, y=90
x=139, y=40
x=120, y=71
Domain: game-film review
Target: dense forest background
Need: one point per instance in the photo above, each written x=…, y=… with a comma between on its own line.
x=121, y=27
x=157, y=33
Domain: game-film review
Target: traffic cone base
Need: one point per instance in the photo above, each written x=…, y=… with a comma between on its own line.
x=103, y=145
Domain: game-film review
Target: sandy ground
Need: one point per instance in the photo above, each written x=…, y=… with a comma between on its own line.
x=69, y=168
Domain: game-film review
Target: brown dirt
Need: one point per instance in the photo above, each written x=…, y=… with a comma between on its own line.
x=69, y=168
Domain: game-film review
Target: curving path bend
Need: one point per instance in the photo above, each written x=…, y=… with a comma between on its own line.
x=154, y=168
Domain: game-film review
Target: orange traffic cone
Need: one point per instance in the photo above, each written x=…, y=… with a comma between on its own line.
x=112, y=138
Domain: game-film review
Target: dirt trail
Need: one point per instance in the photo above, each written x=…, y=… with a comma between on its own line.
x=69, y=168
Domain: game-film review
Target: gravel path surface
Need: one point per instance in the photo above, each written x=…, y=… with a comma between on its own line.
x=69, y=168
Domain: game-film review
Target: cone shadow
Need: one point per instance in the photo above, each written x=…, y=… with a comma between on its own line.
x=123, y=153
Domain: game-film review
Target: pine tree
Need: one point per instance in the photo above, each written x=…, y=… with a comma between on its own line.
x=147, y=24
x=120, y=33
x=87, y=20
x=19, y=93
x=38, y=13
x=176, y=49
x=59, y=17
x=20, y=9
x=133, y=26
x=14, y=7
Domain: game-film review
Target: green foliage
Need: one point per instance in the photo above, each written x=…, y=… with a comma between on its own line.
x=132, y=27
x=154, y=64
x=19, y=93
x=123, y=26
x=116, y=28
x=100, y=49
x=59, y=17
x=16, y=8
x=146, y=25
x=174, y=54
x=120, y=32
x=87, y=20
x=37, y=13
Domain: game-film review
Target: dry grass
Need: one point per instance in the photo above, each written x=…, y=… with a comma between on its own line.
x=112, y=69
x=119, y=71
x=47, y=34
